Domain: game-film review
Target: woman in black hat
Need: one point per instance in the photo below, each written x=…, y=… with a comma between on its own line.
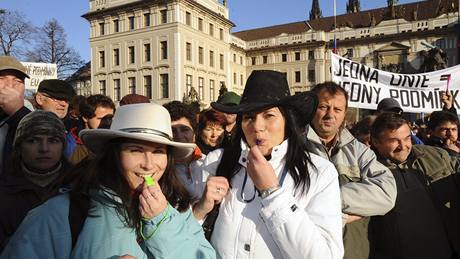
x=283, y=202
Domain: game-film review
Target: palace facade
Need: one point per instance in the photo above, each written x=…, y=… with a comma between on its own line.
x=163, y=48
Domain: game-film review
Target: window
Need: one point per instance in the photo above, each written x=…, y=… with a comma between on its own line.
x=297, y=56
x=200, y=55
x=188, y=51
x=221, y=34
x=148, y=86
x=200, y=24
x=284, y=57
x=116, y=57
x=147, y=20
x=102, y=58
x=234, y=78
x=211, y=58
x=131, y=22
x=164, y=16
x=241, y=60
x=164, y=50
x=311, y=75
x=253, y=60
x=211, y=90
x=101, y=28
x=211, y=29
x=188, y=83
x=241, y=79
x=265, y=59
x=116, y=90
x=311, y=54
x=201, y=88
x=164, y=82
x=102, y=89
x=116, y=25
x=297, y=77
x=188, y=18
x=234, y=58
x=147, y=53
x=221, y=61
x=131, y=55
x=132, y=85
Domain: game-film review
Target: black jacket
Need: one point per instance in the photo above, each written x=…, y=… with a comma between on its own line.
x=12, y=123
x=424, y=223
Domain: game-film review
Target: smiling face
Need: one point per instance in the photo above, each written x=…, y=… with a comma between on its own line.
x=394, y=144
x=266, y=128
x=41, y=153
x=141, y=158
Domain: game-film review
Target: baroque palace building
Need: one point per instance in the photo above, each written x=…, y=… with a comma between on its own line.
x=163, y=48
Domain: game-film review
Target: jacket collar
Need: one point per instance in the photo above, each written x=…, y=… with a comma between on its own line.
x=344, y=137
x=414, y=155
x=277, y=155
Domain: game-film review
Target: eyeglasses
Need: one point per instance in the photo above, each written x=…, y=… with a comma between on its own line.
x=54, y=99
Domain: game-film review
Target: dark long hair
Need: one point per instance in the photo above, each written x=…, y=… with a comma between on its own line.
x=104, y=171
x=297, y=157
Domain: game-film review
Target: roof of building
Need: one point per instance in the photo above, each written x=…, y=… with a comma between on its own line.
x=83, y=72
x=423, y=10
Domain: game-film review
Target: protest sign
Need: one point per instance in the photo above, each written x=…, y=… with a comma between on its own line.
x=37, y=73
x=416, y=93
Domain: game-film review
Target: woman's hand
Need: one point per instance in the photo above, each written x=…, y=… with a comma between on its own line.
x=215, y=190
x=260, y=171
x=152, y=202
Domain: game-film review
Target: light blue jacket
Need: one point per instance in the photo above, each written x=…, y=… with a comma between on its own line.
x=45, y=233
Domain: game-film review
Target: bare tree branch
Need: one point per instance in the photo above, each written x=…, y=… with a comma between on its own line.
x=51, y=47
x=14, y=29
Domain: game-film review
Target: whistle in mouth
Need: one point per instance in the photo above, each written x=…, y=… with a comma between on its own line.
x=148, y=180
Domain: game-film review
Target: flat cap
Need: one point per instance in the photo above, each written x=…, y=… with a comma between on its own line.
x=57, y=89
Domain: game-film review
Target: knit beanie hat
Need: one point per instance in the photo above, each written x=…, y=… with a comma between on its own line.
x=39, y=122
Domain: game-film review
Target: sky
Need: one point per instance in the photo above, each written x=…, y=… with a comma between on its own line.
x=246, y=14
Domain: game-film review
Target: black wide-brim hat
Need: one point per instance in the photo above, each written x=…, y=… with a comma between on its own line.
x=265, y=89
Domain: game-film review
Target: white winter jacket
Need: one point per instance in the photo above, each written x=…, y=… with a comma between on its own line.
x=286, y=224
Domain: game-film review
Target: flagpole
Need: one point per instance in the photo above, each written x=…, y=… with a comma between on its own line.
x=335, y=27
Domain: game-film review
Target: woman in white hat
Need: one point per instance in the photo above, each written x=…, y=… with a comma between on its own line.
x=283, y=201
x=127, y=201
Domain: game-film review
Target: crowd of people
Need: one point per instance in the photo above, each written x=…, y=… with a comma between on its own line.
x=263, y=175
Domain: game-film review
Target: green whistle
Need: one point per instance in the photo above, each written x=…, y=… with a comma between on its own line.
x=148, y=180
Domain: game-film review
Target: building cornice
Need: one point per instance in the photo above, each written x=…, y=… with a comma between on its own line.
x=129, y=7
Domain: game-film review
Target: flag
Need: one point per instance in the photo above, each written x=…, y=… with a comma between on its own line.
x=334, y=45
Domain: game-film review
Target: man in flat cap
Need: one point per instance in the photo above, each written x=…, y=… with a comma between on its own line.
x=54, y=95
x=12, y=109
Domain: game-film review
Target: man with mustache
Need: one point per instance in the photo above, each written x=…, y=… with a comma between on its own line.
x=367, y=187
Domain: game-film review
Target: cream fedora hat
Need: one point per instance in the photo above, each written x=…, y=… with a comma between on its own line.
x=146, y=121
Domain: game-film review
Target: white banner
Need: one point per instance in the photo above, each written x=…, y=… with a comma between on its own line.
x=415, y=92
x=37, y=73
